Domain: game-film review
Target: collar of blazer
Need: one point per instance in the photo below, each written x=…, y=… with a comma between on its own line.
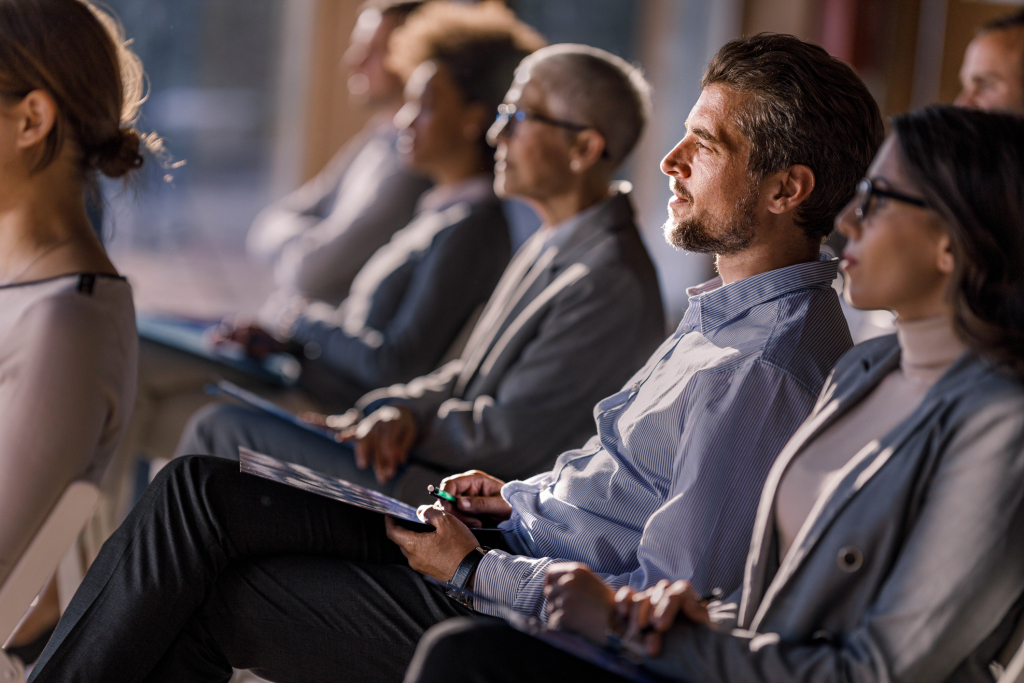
x=850, y=383
x=560, y=263
x=593, y=223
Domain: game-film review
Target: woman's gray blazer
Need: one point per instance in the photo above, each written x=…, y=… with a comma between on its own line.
x=910, y=566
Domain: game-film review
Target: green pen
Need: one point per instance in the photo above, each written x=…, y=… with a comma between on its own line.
x=438, y=493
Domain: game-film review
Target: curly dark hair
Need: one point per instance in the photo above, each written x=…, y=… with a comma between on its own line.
x=808, y=108
x=969, y=165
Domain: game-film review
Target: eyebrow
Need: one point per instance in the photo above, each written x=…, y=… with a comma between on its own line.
x=704, y=134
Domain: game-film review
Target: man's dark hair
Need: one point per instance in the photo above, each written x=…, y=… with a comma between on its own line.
x=808, y=108
x=1005, y=22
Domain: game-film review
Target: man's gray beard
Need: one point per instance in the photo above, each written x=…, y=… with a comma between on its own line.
x=704, y=234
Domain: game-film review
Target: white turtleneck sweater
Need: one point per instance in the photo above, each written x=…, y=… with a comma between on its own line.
x=928, y=348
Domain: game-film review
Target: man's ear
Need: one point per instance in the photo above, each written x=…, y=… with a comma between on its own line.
x=790, y=188
x=587, y=150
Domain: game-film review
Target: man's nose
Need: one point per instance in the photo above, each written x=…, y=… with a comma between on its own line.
x=676, y=162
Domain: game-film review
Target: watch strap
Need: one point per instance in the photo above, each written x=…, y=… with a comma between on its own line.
x=464, y=571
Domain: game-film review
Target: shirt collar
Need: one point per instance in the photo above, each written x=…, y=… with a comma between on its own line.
x=559, y=234
x=474, y=190
x=715, y=304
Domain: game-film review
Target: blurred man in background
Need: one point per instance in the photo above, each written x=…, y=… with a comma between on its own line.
x=992, y=74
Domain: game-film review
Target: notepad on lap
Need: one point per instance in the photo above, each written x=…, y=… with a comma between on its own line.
x=325, y=485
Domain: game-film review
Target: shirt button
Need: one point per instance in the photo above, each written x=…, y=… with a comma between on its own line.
x=635, y=388
x=685, y=328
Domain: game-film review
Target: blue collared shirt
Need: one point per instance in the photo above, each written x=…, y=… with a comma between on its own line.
x=669, y=485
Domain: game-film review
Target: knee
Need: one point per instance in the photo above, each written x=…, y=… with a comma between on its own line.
x=473, y=642
x=202, y=431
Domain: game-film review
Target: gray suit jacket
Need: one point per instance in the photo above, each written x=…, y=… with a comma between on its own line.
x=407, y=306
x=547, y=348
x=912, y=568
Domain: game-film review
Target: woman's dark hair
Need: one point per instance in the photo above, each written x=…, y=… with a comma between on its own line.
x=480, y=46
x=969, y=165
x=78, y=55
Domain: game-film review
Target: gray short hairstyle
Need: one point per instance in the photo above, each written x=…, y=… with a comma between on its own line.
x=595, y=88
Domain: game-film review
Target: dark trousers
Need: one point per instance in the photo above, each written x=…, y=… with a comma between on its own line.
x=490, y=651
x=216, y=569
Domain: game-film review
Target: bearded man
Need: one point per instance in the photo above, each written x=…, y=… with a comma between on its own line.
x=255, y=574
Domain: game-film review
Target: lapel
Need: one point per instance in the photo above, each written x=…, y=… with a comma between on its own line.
x=864, y=377
x=526, y=292
x=483, y=332
x=855, y=475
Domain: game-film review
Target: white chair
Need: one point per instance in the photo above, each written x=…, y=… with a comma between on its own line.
x=43, y=555
x=1014, y=671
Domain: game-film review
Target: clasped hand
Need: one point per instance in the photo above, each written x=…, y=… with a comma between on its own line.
x=579, y=601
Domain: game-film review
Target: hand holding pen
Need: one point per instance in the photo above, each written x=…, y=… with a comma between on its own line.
x=472, y=496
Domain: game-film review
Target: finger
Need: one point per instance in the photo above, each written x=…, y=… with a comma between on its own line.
x=350, y=418
x=433, y=516
x=653, y=644
x=483, y=505
x=312, y=418
x=362, y=452
x=468, y=520
x=398, y=534
x=346, y=435
x=666, y=611
x=557, y=570
x=639, y=617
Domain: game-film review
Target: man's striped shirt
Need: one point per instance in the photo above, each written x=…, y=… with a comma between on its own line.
x=669, y=485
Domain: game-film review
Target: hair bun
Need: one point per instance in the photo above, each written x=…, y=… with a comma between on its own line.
x=118, y=156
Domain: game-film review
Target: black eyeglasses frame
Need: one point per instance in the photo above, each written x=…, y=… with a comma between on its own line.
x=866, y=189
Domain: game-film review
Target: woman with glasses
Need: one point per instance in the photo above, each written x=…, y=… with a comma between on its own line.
x=889, y=541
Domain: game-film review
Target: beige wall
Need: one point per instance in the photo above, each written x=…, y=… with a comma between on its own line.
x=330, y=119
x=798, y=17
x=962, y=19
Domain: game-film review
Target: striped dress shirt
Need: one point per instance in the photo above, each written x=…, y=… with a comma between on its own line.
x=669, y=485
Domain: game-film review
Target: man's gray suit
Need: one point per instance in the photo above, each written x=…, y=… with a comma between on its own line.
x=911, y=567
x=576, y=312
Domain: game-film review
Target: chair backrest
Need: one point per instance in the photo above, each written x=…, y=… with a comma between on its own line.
x=44, y=553
x=1014, y=671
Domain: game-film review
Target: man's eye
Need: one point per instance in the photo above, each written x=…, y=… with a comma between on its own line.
x=698, y=144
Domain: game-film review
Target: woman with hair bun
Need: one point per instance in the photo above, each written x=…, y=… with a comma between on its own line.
x=69, y=90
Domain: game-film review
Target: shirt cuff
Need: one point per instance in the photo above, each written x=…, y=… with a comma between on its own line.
x=514, y=581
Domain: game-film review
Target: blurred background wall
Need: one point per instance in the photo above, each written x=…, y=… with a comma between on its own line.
x=250, y=95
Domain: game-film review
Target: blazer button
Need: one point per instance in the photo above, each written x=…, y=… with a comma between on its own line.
x=850, y=559
x=822, y=637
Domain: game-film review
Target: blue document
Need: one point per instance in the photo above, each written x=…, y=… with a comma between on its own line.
x=193, y=336
x=264, y=406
